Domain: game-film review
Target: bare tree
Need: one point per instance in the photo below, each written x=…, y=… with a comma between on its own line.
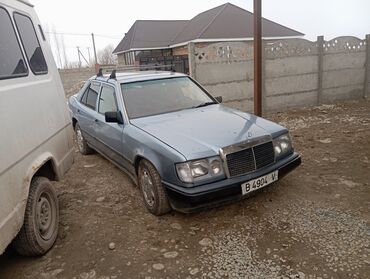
x=63, y=49
x=57, y=46
x=57, y=43
x=105, y=56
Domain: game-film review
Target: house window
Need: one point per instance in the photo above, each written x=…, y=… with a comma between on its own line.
x=128, y=58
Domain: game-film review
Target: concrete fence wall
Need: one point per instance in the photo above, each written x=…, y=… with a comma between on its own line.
x=71, y=77
x=296, y=72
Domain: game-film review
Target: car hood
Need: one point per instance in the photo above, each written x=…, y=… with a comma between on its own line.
x=201, y=132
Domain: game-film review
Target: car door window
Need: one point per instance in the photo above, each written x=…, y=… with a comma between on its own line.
x=91, y=95
x=31, y=44
x=12, y=63
x=107, y=100
x=84, y=96
x=91, y=98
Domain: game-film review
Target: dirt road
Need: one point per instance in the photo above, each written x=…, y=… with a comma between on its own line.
x=314, y=223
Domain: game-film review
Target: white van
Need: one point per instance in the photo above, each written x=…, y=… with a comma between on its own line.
x=36, y=145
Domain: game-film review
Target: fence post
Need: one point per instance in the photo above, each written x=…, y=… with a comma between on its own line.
x=320, y=48
x=191, y=56
x=367, y=67
x=264, y=97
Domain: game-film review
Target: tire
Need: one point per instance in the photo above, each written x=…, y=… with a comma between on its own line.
x=82, y=145
x=154, y=194
x=41, y=219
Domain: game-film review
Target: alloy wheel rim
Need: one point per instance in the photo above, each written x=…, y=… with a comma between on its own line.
x=148, y=188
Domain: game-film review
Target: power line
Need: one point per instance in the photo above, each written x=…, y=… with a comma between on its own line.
x=110, y=37
x=83, y=34
x=68, y=34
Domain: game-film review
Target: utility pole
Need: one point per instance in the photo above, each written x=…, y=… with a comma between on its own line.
x=93, y=41
x=257, y=58
x=79, y=57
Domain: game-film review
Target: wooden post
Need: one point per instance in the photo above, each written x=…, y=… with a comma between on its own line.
x=264, y=96
x=257, y=58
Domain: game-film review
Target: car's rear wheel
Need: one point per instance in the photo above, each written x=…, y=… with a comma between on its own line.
x=40, y=225
x=82, y=145
x=154, y=194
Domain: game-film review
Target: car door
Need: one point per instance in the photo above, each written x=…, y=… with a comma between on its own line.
x=86, y=112
x=109, y=134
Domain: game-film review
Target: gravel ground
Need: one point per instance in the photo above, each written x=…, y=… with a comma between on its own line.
x=314, y=223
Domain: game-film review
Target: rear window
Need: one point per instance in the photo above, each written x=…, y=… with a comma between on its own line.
x=12, y=63
x=31, y=44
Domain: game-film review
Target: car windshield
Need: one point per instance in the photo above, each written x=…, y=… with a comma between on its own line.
x=145, y=98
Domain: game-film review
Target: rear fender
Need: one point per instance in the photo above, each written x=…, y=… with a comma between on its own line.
x=35, y=166
x=13, y=223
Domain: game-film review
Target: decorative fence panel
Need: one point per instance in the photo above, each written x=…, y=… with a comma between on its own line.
x=297, y=72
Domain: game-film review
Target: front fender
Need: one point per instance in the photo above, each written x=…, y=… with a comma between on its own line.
x=161, y=162
x=162, y=156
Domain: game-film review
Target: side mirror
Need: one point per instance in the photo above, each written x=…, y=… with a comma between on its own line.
x=219, y=99
x=113, y=117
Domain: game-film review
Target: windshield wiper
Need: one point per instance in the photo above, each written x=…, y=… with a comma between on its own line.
x=204, y=104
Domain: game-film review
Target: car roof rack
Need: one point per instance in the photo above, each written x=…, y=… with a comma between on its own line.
x=112, y=75
x=100, y=73
x=124, y=69
x=112, y=70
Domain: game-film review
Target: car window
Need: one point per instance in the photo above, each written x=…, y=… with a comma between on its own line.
x=31, y=44
x=145, y=98
x=91, y=99
x=91, y=95
x=84, y=96
x=12, y=63
x=107, y=100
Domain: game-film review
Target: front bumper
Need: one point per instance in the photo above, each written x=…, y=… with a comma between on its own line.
x=224, y=191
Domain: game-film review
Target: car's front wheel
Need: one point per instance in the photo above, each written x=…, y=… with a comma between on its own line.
x=40, y=225
x=154, y=194
x=82, y=145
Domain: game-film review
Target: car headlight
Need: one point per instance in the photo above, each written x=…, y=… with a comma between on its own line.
x=283, y=146
x=200, y=169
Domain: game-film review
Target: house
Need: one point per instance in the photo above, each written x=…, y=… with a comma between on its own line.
x=165, y=42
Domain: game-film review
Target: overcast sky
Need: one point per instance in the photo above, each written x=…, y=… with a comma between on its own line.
x=111, y=19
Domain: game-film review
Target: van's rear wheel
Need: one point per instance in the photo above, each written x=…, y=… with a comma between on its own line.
x=40, y=226
x=83, y=147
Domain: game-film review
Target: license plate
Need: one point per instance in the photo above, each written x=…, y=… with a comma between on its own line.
x=260, y=182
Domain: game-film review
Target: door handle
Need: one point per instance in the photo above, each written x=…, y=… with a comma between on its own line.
x=96, y=120
x=78, y=111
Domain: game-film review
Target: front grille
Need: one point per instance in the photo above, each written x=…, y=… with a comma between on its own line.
x=240, y=162
x=264, y=154
x=250, y=159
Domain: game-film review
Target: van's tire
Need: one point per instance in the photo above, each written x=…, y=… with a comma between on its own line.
x=41, y=220
x=154, y=194
x=82, y=145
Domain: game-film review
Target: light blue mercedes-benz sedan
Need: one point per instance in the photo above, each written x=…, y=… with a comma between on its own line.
x=184, y=149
